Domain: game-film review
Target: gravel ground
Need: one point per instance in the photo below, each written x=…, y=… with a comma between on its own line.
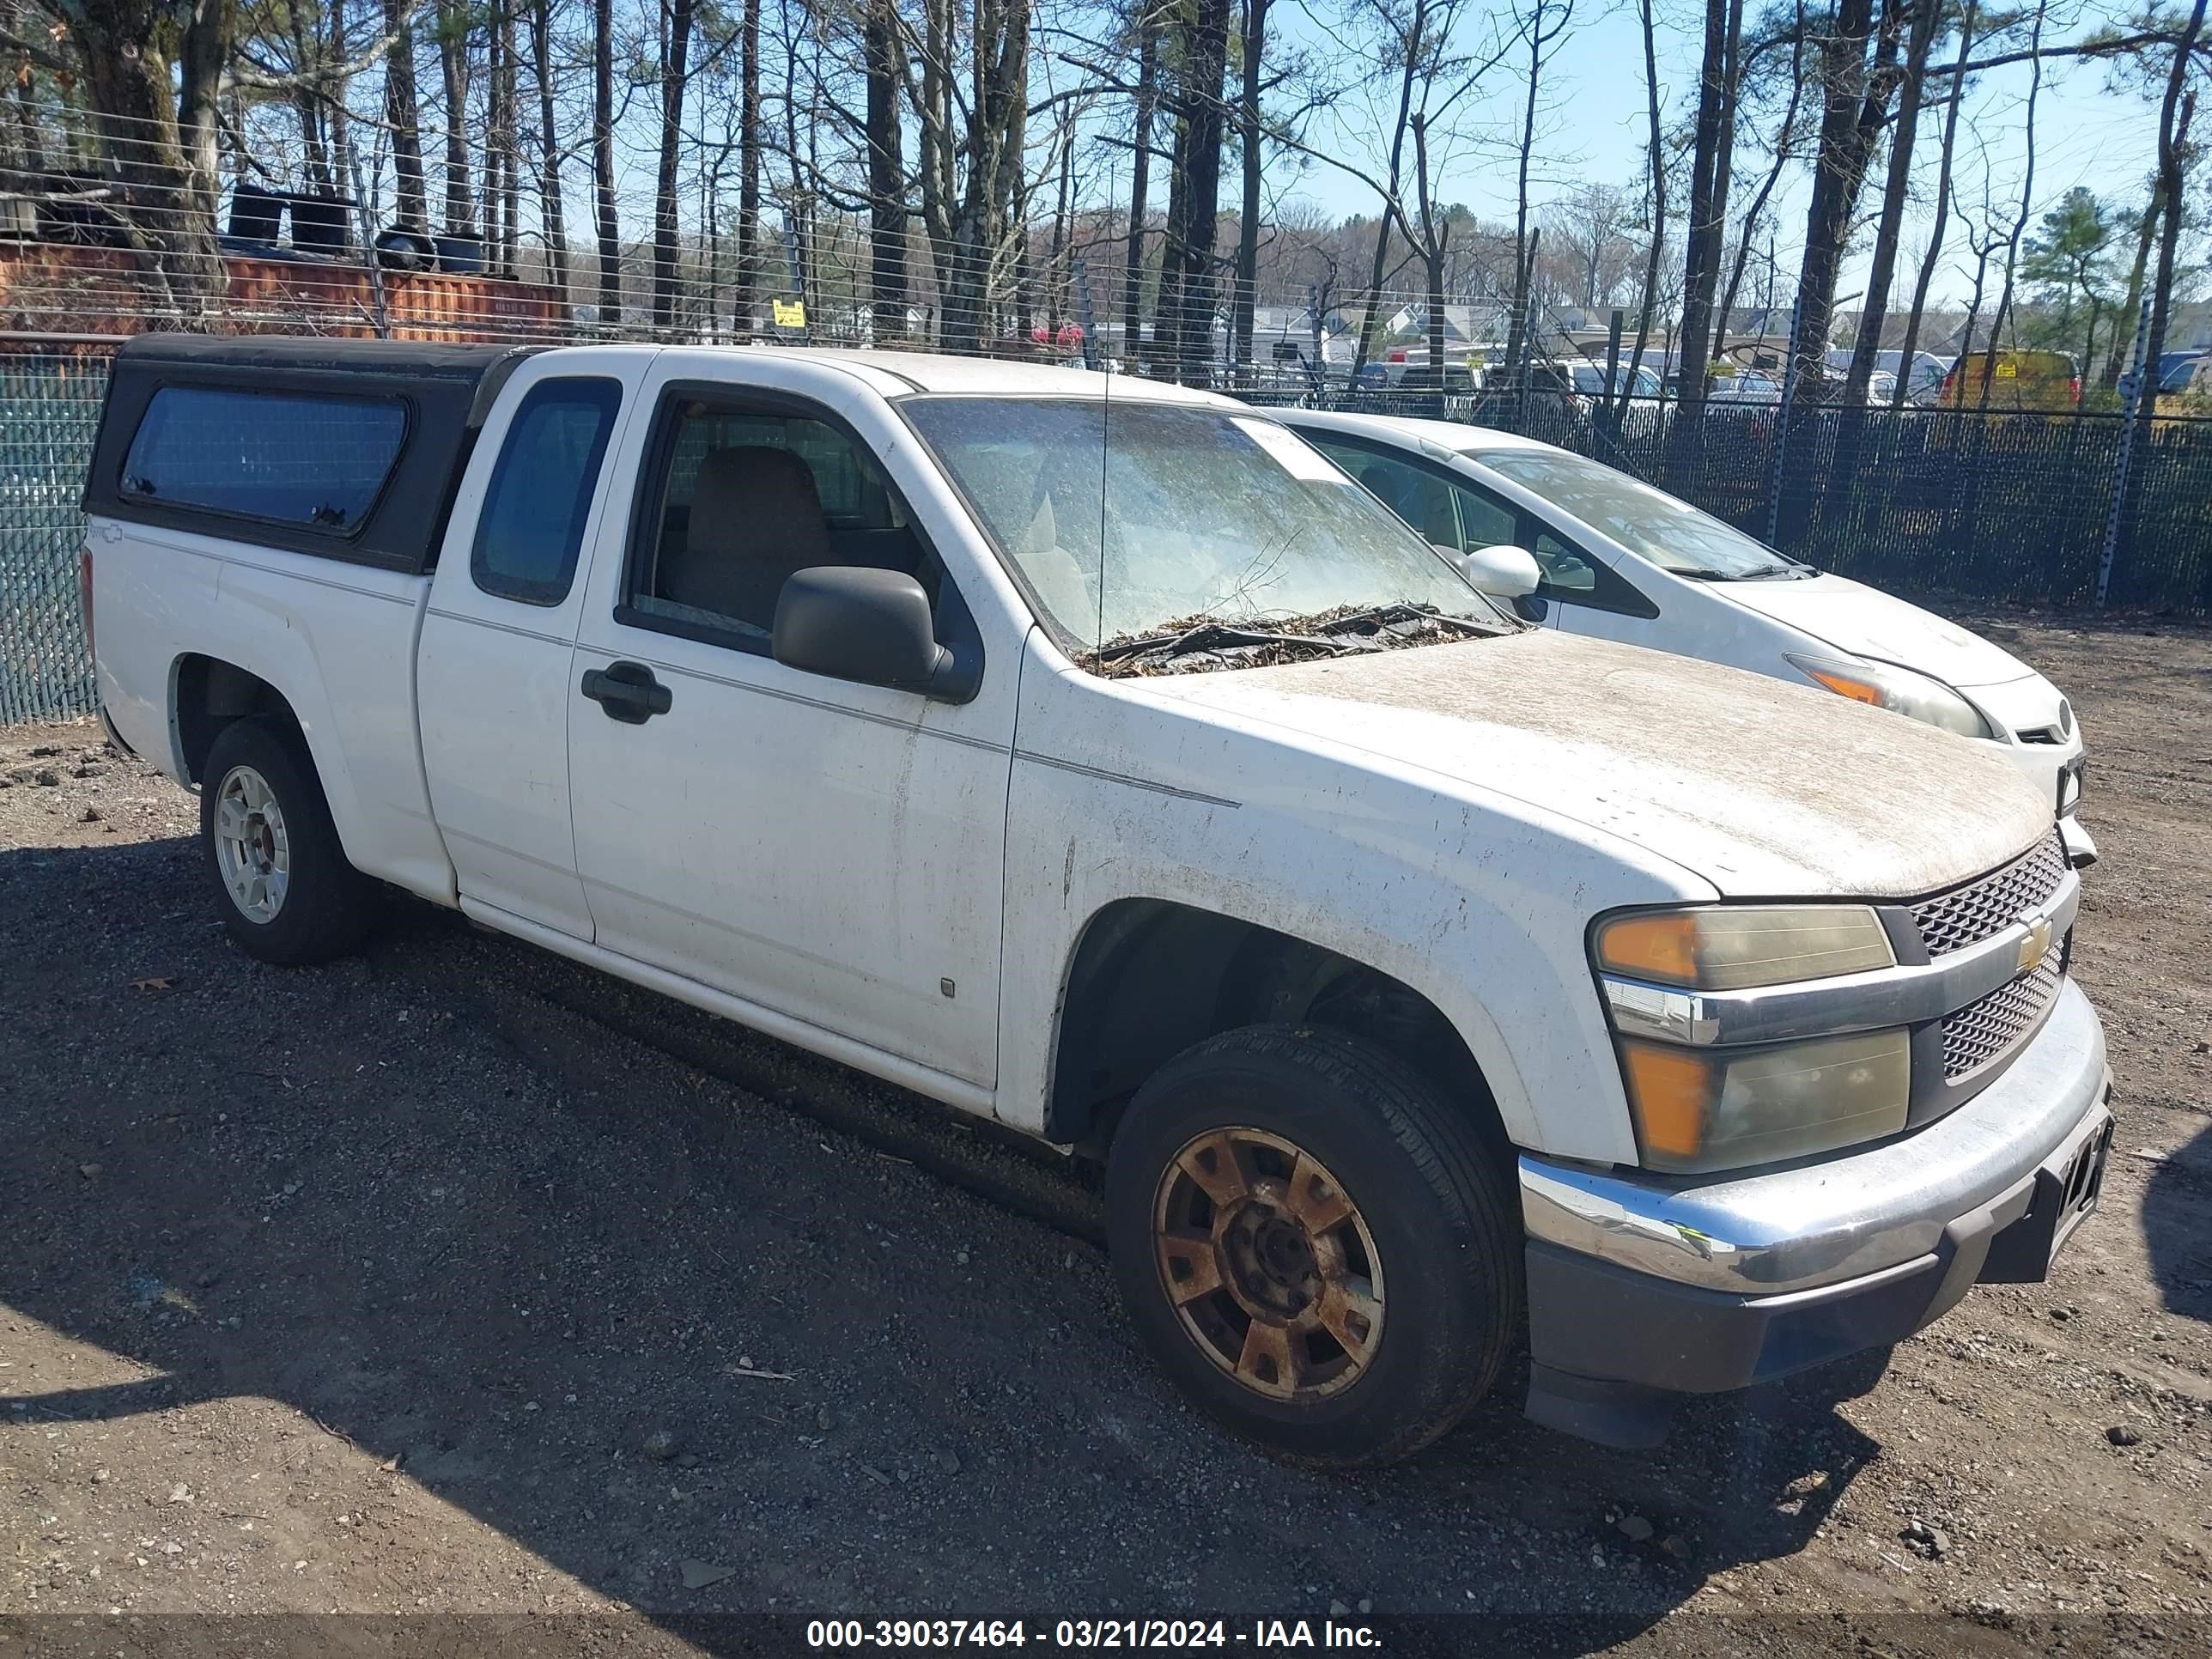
x=456, y=1280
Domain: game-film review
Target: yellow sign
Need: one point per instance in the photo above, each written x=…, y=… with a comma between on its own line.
x=790, y=314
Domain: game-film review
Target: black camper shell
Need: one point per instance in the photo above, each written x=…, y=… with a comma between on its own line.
x=346, y=449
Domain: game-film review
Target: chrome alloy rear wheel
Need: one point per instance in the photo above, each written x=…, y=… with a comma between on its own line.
x=252, y=848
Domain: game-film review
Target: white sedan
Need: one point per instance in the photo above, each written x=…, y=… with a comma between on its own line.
x=1619, y=560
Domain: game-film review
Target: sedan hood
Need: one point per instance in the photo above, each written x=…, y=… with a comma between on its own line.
x=1868, y=622
x=1765, y=789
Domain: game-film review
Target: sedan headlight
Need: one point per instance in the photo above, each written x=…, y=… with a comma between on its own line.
x=1884, y=685
x=1699, y=1106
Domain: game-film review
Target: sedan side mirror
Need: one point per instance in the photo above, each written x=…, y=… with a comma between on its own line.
x=1503, y=572
x=872, y=627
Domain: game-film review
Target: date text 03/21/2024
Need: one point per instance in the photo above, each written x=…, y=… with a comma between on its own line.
x=829, y=1634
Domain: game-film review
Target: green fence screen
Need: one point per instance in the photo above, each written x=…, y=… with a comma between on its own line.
x=49, y=409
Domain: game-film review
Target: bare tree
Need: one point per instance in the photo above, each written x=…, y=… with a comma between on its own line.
x=1254, y=47
x=2020, y=219
x=1920, y=37
x=2175, y=112
x=1858, y=64
x=1187, y=258
x=1541, y=30
x=603, y=160
x=1590, y=225
x=749, y=163
x=1657, y=157
x=1910, y=346
x=1146, y=101
x=1785, y=138
x=675, y=75
x=402, y=115
x=453, y=66
x=883, y=58
x=153, y=78
x=1712, y=156
x=502, y=194
x=966, y=218
x=551, y=216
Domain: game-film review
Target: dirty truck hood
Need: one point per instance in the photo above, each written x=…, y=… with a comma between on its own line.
x=1762, y=787
x=1868, y=623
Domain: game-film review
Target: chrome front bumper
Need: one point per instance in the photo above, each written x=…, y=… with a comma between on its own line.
x=1641, y=1292
x=1850, y=1215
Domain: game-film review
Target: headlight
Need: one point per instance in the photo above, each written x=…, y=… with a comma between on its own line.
x=1698, y=1110
x=1884, y=685
x=1700, y=1107
x=1737, y=947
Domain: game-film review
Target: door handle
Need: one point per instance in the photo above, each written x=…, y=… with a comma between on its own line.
x=626, y=691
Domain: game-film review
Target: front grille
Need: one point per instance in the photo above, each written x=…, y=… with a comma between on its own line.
x=1967, y=915
x=1987, y=1029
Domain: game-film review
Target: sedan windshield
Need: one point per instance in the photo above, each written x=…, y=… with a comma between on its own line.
x=1132, y=523
x=1671, y=533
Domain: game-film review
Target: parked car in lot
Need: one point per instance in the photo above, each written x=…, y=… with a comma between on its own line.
x=1923, y=380
x=1590, y=381
x=1100, y=758
x=1751, y=387
x=1623, y=561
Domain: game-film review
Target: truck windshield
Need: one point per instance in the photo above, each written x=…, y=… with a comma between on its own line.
x=1135, y=524
x=1671, y=533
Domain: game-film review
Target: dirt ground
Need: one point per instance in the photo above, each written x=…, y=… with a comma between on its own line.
x=458, y=1283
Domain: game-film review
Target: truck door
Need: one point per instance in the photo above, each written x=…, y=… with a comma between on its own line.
x=828, y=852
x=492, y=681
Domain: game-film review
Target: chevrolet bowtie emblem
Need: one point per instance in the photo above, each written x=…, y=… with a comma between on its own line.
x=2036, y=945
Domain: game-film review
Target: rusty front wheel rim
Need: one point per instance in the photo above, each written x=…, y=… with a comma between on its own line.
x=1270, y=1267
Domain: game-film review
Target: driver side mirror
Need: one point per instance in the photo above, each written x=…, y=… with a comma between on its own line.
x=871, y=626
x=1503, y=571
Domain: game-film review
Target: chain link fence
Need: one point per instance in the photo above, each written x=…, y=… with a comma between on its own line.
x=49, y=409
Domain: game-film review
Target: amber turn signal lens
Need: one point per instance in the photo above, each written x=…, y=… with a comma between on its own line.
x=1671, y=1089
x=1661, y=946
x=1844, y=686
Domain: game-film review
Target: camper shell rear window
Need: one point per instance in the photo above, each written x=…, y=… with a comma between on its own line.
x=345, y=449
x=313, y=460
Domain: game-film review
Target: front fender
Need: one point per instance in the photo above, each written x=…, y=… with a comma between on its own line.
x=1480, y=907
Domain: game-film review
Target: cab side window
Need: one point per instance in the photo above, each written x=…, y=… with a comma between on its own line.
x=531, y=526
x=744, y=499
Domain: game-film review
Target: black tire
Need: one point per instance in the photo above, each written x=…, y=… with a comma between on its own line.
x=1436, y=1203
x=327, y=906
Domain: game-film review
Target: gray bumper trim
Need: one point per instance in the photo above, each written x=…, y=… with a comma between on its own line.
x=1843, y=1216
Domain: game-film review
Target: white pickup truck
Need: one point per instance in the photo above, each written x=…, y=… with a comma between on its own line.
x=1097, y=757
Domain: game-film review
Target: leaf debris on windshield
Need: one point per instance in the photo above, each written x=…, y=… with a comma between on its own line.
x=1196, y=645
